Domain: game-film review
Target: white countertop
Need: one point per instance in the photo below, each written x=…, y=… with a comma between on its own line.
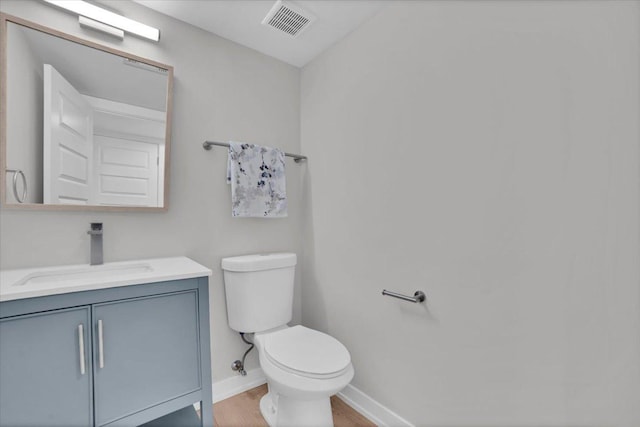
x=43, y=281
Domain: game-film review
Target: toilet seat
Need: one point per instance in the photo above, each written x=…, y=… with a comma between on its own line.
x=307, y=352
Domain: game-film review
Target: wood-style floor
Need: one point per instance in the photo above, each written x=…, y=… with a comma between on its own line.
x=243, y=410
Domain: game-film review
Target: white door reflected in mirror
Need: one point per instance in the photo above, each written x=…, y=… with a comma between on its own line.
x=68, y=141
x=99, y=152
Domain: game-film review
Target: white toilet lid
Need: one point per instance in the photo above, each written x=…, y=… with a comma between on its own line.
x=306, y=351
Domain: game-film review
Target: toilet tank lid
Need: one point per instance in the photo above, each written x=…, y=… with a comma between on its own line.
x=259, y=262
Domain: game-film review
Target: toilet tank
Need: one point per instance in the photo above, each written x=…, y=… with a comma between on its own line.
x=259, y=291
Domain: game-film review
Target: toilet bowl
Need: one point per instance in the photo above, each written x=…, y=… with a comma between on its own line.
x=303, y=367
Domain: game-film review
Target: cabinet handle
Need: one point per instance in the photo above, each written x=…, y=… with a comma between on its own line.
x=81, y=347
x=100, y=346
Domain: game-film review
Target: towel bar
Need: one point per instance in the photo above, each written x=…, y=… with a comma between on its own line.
x=207, y=146
x=419, y=296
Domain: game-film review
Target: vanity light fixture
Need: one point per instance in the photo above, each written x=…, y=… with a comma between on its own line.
x=113, y=20
x=99, y=26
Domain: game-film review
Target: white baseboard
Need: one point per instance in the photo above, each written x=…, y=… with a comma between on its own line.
x=231, y=386
x=374, y=411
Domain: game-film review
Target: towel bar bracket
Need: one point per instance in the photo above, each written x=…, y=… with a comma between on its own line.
x=418, y=296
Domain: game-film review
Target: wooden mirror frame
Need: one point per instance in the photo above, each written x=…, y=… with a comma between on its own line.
x=5, y=19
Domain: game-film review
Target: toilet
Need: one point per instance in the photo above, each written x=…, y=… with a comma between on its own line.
x=303, y=367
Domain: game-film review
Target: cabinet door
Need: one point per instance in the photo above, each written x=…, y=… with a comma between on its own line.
x=146, y=352
x=45, y=371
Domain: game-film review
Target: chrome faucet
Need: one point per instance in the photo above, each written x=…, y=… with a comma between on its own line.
x=96, y=243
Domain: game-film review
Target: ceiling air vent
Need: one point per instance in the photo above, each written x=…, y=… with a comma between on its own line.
x=288, y=18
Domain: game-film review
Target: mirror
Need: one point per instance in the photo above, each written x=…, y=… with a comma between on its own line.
x=84, y=126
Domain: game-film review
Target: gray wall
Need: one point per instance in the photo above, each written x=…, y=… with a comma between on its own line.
x=25, y=116
x=222, y=91
x=486, y=153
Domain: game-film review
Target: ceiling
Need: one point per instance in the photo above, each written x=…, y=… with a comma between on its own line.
x=241, y=22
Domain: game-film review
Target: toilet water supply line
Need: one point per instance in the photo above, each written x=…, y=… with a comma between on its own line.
x=238, y=365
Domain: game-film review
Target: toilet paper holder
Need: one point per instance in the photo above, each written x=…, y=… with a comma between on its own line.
x=418, y=296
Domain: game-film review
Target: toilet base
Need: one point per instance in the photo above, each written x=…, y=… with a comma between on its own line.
x=268, y=409
x=283, y=411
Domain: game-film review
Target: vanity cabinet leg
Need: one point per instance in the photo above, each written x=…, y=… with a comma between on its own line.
x=206, y=405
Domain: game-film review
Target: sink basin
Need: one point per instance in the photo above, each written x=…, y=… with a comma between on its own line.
x=93, y=273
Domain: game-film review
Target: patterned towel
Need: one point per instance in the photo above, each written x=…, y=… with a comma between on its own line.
x=257, y=179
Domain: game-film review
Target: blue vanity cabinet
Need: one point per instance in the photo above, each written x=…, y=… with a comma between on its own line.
x=45, y=369
x=146, y=357
x=147, y=353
